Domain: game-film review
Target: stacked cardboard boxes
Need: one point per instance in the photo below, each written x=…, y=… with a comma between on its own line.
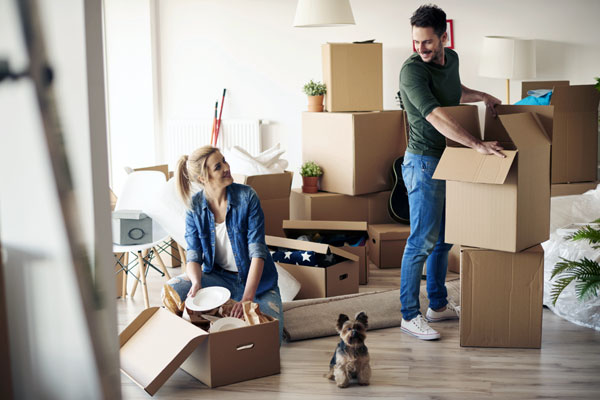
x=498, y=210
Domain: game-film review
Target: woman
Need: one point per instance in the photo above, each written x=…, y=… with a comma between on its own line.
x=225, y=234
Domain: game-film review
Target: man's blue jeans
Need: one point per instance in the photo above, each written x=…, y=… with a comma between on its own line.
x=427, y=199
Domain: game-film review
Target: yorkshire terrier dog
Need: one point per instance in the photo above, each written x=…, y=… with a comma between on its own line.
x=351, y=357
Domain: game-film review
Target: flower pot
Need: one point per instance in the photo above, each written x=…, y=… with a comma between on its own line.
x=309, y=184
x=315, y=103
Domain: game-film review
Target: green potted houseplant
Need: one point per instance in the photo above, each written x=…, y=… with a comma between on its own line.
x=315, y=92
x=310, y=172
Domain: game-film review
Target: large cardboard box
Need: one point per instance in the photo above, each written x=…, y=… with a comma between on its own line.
x=325, y=206
x=295, y=228
x=386, y=244
x=355, y=150
x=158, y=342
x=493, y=202
x=353, y=74
x=273, y=190
x=568, y=189
x=575, y=134
x=317, y=282
x=501, y=298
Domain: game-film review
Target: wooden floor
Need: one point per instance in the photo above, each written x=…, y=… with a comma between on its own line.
x=567, y=366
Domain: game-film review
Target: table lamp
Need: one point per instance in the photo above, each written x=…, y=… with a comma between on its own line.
x=321, y=13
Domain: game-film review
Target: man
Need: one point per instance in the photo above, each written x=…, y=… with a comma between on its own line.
x=429, y=81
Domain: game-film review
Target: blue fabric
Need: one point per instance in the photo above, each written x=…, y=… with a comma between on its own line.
x=539, y=97
x=307, y=258
x=246, y=229
x=269, y=302
x=427, y=198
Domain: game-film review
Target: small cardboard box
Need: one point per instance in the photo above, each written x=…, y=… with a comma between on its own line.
x=568, y=189
x=317, y=282
x=493, y=202
x=501, y=298
x=575, y=133
x=296, y=228
x=158, y=342
x=273, y=190
x=386, y=244
x=324, y=206
x=355, y=150
x=353, y=74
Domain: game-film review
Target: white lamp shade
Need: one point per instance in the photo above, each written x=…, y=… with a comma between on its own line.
x=315, y=13
x=508, y=58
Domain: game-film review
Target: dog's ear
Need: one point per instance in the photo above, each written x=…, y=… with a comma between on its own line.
x=340, y=322
x=362, y=318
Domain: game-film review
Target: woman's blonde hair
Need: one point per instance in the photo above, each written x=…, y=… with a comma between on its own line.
x=191, y=169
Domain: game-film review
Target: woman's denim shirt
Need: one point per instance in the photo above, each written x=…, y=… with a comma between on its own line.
x=245, y=223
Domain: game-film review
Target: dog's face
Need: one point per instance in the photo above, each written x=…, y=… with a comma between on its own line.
x=353, y=332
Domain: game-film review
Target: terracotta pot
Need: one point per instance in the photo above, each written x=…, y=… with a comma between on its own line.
x=309, y=184
x=315, y=103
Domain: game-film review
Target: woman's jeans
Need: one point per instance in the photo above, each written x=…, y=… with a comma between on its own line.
x=427, y=200
x=269, y=301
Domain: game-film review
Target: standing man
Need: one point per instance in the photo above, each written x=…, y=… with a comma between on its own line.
x=429, y=81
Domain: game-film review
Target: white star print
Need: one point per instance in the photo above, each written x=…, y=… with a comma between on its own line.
x=288, y=255
x=305, y=256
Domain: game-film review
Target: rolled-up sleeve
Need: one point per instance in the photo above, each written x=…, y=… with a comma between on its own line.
x=414, y=82
x=257, y=248
x=194, y=246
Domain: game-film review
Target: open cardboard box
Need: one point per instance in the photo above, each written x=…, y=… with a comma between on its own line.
x=568, y=189
x=492, y=202
x=317, y=282
x=158, y=342
x=273, y=190
x=296, y=228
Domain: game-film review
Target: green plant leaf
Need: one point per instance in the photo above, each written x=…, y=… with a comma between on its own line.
x=313, y=88
x=585, y=272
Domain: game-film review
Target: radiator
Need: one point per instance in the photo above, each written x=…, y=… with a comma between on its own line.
x=184, y=136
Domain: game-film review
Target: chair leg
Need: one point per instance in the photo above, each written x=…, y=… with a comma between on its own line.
x=137, y=280
x=182, y=256
x=161, y=263
x=125, y=263
x=143, y=277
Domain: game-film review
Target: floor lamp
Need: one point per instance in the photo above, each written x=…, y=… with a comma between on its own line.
x=507, y=58
x=323, y=13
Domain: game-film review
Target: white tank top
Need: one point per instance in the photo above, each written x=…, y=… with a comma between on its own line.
x=223, y=250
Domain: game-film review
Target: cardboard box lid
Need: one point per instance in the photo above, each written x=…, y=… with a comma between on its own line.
x=532, y=85
x=577, y=98
x=268, y=186
x=320, y=248
x=147, y=356
x=303, y=226
x=525, y=130
x=389, y=231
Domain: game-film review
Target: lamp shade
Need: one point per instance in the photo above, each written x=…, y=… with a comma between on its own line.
x=508, y=58
x=316, y=13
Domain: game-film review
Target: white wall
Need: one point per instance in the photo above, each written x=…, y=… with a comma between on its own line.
x=251, y=48
x=50, y=347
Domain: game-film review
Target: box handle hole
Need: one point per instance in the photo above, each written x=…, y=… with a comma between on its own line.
x=343, y=276
x=245, y=347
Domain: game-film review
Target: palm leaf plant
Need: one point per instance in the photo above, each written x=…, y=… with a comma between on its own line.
x=585, y=272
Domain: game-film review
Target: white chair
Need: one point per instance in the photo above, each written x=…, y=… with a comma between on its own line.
x=140, y=191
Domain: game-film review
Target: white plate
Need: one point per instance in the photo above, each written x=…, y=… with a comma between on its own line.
x=208, y=298
x=227, y=323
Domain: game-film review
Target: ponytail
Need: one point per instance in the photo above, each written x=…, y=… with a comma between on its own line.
x=182, y=180
x=190, y=169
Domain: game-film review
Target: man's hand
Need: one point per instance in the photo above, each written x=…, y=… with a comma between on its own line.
x=491, y=102
x=490, y=148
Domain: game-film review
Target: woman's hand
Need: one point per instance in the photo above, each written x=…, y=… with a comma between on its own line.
x=194, y=289
x=237, y=311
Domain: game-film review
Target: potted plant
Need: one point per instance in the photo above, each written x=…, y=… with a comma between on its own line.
x=315, y=92
x=310, y=172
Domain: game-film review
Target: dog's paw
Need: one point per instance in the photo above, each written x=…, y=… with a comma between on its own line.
x=364, y=383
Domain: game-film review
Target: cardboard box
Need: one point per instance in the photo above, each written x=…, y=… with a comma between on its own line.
x=575, y=134
x=316, y=282
x=386, y=244
x=273, y=190
x=355, y=150
x=498, y=203
x=158, y=342
x=454, y=259
x=568, y=189
x=295, y=228
x=353, y=74
x=324, y=206
x=501, y=298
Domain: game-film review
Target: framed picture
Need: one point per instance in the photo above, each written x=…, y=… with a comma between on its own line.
x=449, y=31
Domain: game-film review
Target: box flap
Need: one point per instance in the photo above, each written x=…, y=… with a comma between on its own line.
x=578, y=98
x=525, y=130
x=533, y=85
x=147, y=357
x=308, y=246
x=468, y=117
x=303, y=226
x=494, y=130
x=268, y=186
x=468, y=165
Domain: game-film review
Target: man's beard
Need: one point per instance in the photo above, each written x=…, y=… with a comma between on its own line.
x=436, y=55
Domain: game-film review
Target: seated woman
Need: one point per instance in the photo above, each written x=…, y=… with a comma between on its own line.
x=225, y=234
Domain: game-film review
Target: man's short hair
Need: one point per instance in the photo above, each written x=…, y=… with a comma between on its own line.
x=430, y=16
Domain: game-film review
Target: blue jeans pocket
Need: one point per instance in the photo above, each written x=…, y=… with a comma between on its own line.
x=407, y=175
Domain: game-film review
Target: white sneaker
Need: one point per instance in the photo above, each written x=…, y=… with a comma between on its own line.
x=451, y=312
x=419, y=328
